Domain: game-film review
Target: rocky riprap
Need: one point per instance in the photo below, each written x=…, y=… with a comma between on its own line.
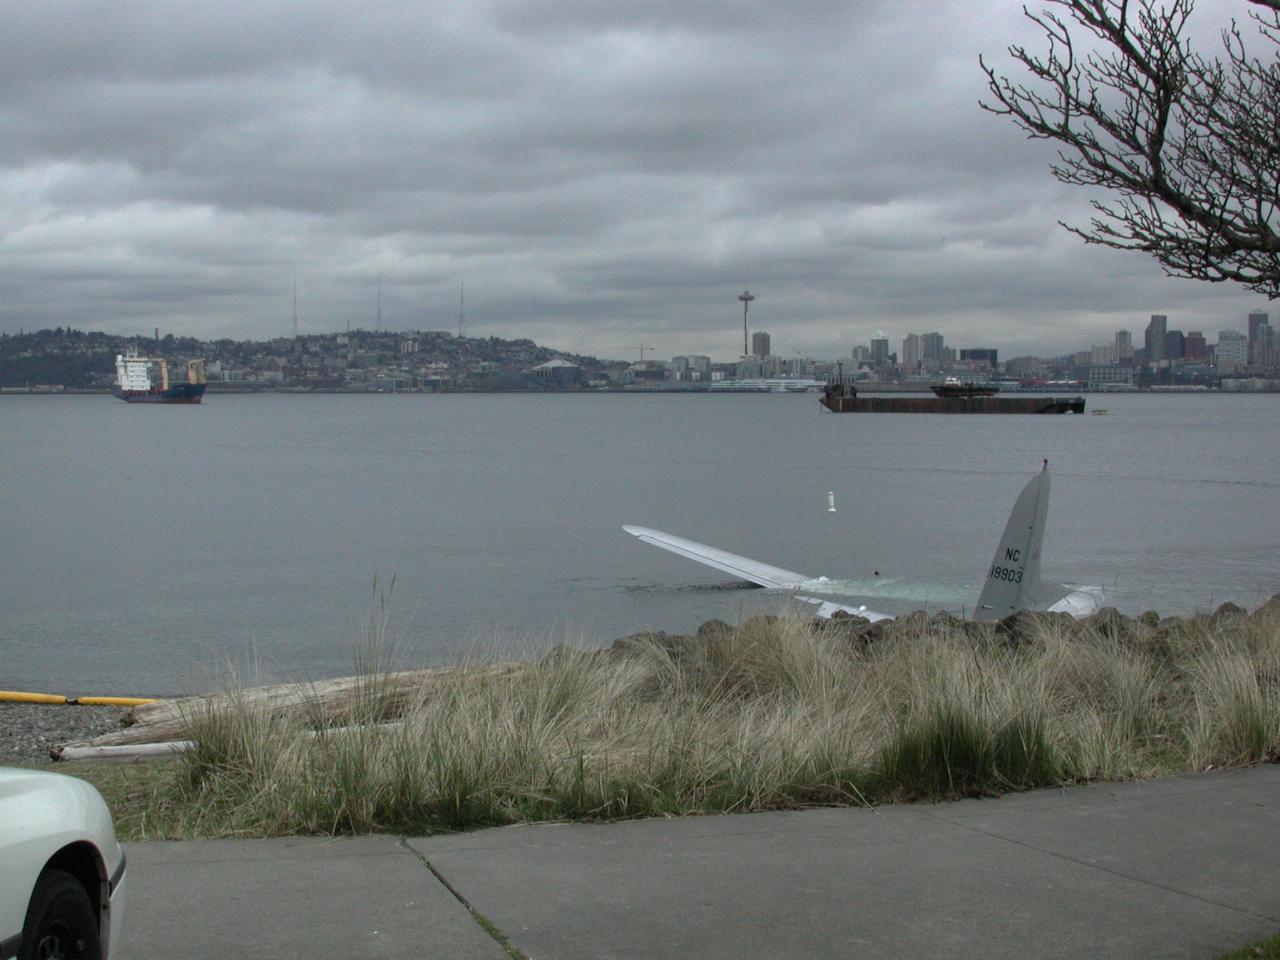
x=1147, y=629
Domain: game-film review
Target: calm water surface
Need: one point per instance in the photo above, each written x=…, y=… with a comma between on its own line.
x=142, y=546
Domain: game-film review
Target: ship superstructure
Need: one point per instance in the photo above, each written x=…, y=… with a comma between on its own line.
x=953, y=387
x=136, y=384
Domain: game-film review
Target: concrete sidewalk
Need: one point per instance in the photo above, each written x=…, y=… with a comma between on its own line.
x=1183, y=867
x=368, y=897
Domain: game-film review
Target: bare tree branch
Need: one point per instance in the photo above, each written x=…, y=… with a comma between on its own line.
x=1187, y=146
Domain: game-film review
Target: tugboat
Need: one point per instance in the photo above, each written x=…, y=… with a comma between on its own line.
x=952, y=387
x=134, y=383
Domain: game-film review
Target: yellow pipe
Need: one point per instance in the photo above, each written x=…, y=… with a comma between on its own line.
x=17, y=696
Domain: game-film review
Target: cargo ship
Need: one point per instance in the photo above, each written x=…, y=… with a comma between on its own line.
x=134, y=383
x=843, y=398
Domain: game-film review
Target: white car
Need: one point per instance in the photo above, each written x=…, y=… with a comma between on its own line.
x=62, y=886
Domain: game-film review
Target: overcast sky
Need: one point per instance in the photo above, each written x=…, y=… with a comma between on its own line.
x=600, y=175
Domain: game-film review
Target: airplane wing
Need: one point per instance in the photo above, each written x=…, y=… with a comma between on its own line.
x=744, y=568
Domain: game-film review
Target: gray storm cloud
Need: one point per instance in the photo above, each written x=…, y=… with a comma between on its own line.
x=601, y=175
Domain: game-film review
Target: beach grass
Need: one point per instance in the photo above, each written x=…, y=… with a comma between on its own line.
x=775, y=712
x=1268, y=949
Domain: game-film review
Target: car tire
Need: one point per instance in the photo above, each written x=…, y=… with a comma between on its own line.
x=60, y=921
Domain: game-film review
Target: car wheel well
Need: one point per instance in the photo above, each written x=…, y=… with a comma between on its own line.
x=60, y=920
x=83, y=862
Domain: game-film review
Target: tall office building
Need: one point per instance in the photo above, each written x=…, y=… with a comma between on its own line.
x=880, y=351
x=1174, y=345
x=1154, y=340
x=760, y=343
x=1195, y=348
x=910, y=359
x=980, y=355
x=1232, y=351
x=1124, y=346
x=931, y=350
x=1259, y=327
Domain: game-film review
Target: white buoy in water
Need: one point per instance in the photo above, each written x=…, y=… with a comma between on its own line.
x=831, y=501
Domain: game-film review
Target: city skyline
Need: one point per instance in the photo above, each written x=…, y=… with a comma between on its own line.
x=915, y=348
x=598, y=177
x=363, y=360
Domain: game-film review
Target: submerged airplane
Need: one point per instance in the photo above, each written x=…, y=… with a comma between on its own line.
x=1012, y=581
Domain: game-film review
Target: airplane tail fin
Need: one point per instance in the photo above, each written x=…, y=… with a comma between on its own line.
x=1013, y=579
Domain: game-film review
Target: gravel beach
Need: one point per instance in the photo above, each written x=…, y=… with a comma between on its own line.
x=28, y=730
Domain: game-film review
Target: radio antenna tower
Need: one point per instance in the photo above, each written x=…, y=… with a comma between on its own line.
x=295, y=308
x=462, y=308
x=746, y=297
x=379, y=320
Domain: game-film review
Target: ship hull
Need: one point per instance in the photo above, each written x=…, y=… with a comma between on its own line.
x=178, y=393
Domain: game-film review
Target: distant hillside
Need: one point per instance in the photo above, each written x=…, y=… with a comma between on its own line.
x=75, y=359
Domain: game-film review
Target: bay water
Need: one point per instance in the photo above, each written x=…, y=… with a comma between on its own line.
x=143, y=547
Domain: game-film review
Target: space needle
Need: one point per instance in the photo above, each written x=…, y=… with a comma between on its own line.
x=746, y=297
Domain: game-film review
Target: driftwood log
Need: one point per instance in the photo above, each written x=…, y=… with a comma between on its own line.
x=144, y=751
x=128, y=752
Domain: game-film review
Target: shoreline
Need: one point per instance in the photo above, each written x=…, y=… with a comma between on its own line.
x=30, y=731
x=775, y=712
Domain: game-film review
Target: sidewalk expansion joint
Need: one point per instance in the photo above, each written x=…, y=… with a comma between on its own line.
x=1111, y=870
x=487, y=925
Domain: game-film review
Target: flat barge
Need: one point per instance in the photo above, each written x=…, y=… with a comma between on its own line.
x=843, y=398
